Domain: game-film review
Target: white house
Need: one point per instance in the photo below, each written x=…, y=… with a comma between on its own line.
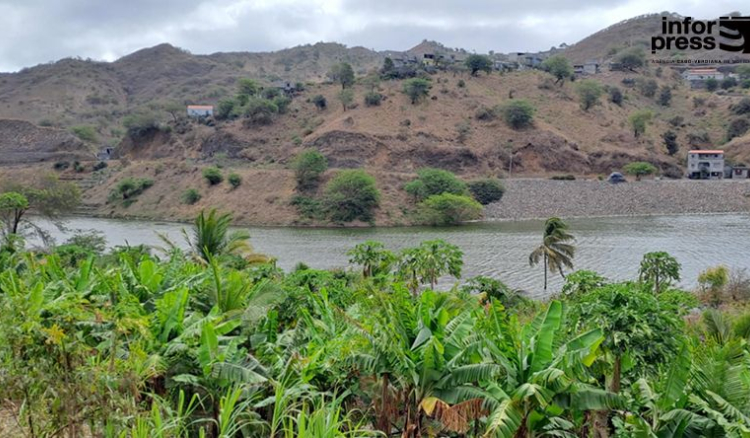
x=702, y=74
x=705, y=164
x=200, y=110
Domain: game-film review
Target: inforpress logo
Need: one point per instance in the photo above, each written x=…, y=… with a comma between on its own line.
x=687, y=34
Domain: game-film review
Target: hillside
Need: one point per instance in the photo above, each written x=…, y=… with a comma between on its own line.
x=457, y=128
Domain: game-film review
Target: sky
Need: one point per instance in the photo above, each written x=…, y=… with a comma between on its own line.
x=39, y=31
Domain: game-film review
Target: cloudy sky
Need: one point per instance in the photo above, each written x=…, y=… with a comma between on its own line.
x=37, y=31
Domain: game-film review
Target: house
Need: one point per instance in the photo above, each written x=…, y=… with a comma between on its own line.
x=104, y=154
x=284, y=86
x=740, y=172
x=705, y=164
x=591, y=67
x=200, y=110
x=429, y=59
x=697, y=77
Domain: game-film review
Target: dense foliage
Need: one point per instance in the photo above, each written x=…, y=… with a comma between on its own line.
x=216, y=341
x=351, y=195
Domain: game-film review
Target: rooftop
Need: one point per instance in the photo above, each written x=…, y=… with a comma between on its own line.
x=200, y=107
x=706, y=151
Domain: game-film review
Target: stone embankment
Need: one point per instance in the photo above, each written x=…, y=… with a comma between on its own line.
x=538, y=198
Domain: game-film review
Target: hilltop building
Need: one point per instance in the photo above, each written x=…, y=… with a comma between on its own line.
x=697, y=77
x=705, y=164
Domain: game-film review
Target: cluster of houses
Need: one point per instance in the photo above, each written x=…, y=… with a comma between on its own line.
x=698, y=76
x=710, y=164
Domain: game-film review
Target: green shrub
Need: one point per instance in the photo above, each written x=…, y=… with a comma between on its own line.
x=213, y=175
x=260, y=111
x=712, y=84
x=225, y=109
x=373, y=98
x=448, y=209
x=417, y=89
x=487, y=190
x=728, y=82
x=431, y=181
x=282, y=104
x=308, y=207
x=308, y=166
x=742, y=107
x=320, y=101
x=648, y=87
x=141, y=122
x=665, y=96
x=639, y=169
x=234, y=180
x=351, y=195
x=461, y=83
x=615, y=95
x=485, y=113
x=737, y=128
x=100, y=165
x=190, y=196
x=589, y=91
x=78, y=167
x=61, y=165
x=518, y=113
x=85, y=133
x=129, y=188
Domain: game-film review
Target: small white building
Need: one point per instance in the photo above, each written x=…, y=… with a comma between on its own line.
x=702, y=74
x=200, y=110
x=705, y=164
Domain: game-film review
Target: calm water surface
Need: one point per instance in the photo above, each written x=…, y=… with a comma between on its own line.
x=611, y=246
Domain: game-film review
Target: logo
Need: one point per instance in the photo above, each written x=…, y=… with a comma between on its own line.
x=688, y=34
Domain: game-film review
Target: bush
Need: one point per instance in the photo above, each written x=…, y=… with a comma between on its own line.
x=461, y=83
x=308, y=166
x=567, y=177
x=477, y=63
x=518, y=113
x=282, y=104
x=129, y=188
x=737, y=128
x=485, y=113
x=61, y=165
x=85, y=133
x=260, y=111
x=225, y=109
x=487, y=190
x=99, y=166
x=639, y=120
x=648, y=87
x=320, y=101
x=665, y=96
x=670, y=141
x=742, y=107
x=712, y=84
x=78, y=167
x=141, y=122
x=234, y=180
x=308, y=207
x=728, y=82
x=213, y=175
x=632, y=58
x=589, y=91
x=191, y=196
x=431, y=182
x=448, y=209
x=615, y=95
x=373, y=98
x=351, y=195
x=677, y=121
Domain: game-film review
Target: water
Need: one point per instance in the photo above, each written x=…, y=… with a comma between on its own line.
x=610, y=246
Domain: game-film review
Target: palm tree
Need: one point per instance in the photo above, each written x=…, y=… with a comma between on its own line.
x=555, y=250
x=211, y=238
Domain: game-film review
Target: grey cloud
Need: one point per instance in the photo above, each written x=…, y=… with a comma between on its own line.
x=38, y=31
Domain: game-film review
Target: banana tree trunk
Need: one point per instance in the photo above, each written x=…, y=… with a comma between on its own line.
x=545, y=272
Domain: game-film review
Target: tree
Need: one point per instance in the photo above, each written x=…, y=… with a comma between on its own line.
x=589, y=91
x=712, y=282
x=670, y=141
x=346, y=97
x=12, y=208
x=213, y=175
x=476, y=63
x=308, y=166
x=428, y=262
x=448, y=209
x=559, y=67
x=632, y=58
x=417, y=89
x=432, y=181
x=343, y=74
x=486, y=191
x=640, y=169
x=225, y=109
x=320, y=101
x=518, y=113
x=211, y=236
x=373, y=257
x=388, y=67
x=659, y=270
x=247, y=87
x=648, y=87
x=174, y=109
x=556, y=251
x=351, y=195
x=711, y=84
x=737, y=128
x=665, y=96
x=639, y=120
